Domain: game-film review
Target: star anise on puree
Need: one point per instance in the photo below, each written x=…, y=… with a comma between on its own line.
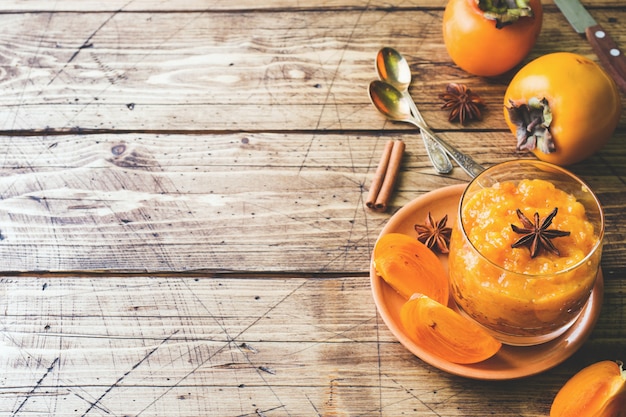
x=434, y=234
x=462, y=103
x=536, y=236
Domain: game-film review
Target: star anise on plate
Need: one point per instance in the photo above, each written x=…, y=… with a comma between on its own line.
x=537, y=235
x=434, y=234
x=462, y=103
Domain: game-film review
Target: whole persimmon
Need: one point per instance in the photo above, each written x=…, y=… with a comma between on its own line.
x=489, y=38
x=563, y=107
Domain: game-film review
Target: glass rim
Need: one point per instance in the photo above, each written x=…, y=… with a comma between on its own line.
x=561, y=170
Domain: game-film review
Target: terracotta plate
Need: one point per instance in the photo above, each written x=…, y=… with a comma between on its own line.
x=511, y=361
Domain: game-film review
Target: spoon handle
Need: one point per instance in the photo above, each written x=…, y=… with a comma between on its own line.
x=471, y=167
x=437, y=155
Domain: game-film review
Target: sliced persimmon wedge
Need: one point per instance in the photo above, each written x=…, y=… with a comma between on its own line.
x=409, y=267
x=599, y=390
x=443, y=332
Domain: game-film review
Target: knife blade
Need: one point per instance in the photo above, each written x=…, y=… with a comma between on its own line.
x=607, y=50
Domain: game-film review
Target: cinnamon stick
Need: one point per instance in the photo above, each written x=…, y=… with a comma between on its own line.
x=390, y=162
x=379, y=176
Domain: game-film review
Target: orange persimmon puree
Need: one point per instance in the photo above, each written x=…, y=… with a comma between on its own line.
x=508, y=291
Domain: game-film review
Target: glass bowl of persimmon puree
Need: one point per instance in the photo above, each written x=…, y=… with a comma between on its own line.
x=526, y=282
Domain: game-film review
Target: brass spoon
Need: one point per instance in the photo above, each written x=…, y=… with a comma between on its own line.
x=394, y=69
x=393, y=104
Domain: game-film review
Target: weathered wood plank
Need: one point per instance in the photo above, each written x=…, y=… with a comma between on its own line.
x=187, y=346
x=158, y=203
x=221, y=5
x=203, y=5
x=191, y=73
x=252, y=202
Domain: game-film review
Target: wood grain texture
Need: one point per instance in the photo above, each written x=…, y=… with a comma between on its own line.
x=225, y=5
x=154, y=346
x=188, y=71
x=244, y=202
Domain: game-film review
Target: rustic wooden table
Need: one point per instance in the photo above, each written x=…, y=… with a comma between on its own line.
x=183, y=229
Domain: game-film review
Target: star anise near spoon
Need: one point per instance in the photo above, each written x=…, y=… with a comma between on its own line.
x=537, y=235
x=462, y=103
x=434, y=234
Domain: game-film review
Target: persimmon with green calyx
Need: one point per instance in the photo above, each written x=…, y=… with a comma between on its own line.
x=563, y=107
x=409, y=267
x=490, y=37
x=443, y=332
x=599, y=390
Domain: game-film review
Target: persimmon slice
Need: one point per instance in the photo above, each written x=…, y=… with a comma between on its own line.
x=442, y=331
x=410, y=267
x=598, y=390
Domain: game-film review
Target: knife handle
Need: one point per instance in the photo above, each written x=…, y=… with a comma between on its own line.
x=610, y=55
